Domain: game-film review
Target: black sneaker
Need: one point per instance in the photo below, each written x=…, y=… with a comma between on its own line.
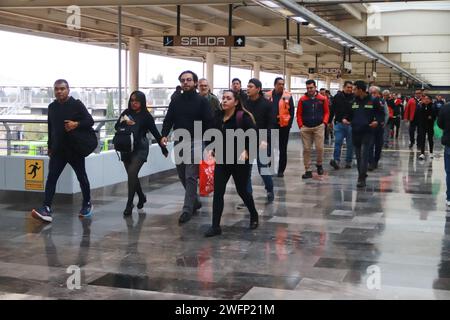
x=128, y=211
x=361, y=183
x=411, y=145
x=320, y=170
x=270, y=197
x=185, y=217
x=280, y=175
x=307, y=175
x=43, y=214
x=334, y=164
x=348, y=165
x=253, y=224
x=213, y=231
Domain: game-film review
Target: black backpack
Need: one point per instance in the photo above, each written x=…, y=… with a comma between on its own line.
x=83, y=141
x=124, y=140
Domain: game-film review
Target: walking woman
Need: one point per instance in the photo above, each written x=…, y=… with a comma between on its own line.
x=232, y=117
x=141, y=121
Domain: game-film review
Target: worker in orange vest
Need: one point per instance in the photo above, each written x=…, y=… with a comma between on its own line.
x=283, y=109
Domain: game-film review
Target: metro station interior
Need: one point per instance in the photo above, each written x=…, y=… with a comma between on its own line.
x=320, y=239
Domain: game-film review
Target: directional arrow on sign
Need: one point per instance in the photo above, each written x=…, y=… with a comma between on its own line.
x=168, y=41
x=239, y=41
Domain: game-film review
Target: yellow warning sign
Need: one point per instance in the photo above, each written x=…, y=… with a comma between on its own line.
x=34, y=174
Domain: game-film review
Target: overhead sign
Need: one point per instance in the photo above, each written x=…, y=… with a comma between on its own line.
x=347, y=65
x=34, y=174
x=329, y=70
x=204, y=41
x=293, y=47
x=311, y=70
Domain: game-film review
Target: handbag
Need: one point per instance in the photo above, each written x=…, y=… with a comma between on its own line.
x=83, y=141
x=206, y=177
x=124, y=140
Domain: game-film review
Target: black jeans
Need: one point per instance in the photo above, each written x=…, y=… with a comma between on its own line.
x=377, y=145
x=56, y=166
x=412, y=132
x=283, y=144
x=240, y=173
x=421, y=139
x=396, y=124
x=133, y=165
x=362, y=142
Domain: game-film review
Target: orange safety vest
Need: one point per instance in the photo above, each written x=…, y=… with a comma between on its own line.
x=283, y=108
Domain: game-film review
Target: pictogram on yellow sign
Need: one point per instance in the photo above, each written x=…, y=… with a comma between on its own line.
x=34, y=174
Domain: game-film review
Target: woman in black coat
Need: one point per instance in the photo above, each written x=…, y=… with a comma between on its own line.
x=231, y=118
x=141, y=122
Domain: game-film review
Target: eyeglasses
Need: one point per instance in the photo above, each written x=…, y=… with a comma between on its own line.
x=186, y=80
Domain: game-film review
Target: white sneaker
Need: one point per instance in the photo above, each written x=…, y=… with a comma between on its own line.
x=448, y=203
x=431, y=156
x=422, y=157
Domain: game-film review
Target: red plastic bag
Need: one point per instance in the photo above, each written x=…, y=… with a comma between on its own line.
x=206, y=176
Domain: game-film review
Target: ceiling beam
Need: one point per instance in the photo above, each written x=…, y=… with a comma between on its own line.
x=352, y=10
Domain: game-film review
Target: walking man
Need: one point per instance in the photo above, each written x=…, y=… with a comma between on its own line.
x=365, y=115
x=283, y=109
x=342, y=103
x=65, y=115
x=410, y=112
x=312, y=117
x=184, y=110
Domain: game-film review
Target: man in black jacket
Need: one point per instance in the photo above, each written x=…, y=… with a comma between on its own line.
x=425, y=115
x=365, y=115
x=184, y=110
x=236, y=86
x=444, y=123
x=262, y=111
x=65, y=114
x=342, y=103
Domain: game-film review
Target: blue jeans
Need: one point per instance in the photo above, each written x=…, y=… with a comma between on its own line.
x=342, y=131
x=447, y=169
x=267, y=179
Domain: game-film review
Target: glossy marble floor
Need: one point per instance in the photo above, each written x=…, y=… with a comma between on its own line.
x=320, y=239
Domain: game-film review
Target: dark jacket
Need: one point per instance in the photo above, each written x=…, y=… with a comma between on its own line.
x=425, y=115
x=443, y=122
x=144, y=123
x=232, y=124
x=312, y=112
x=363, y=112
x=261, y=109
x=184, y=110
x=275, y=108
x=73, y=110
x=342, y=103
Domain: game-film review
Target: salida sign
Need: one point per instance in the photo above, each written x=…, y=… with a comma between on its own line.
x=204, y=41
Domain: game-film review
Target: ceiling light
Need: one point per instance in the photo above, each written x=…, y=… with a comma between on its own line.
x=270, y=4
x=299, y=19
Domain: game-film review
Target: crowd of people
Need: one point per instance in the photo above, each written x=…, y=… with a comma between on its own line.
x=365, y=117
